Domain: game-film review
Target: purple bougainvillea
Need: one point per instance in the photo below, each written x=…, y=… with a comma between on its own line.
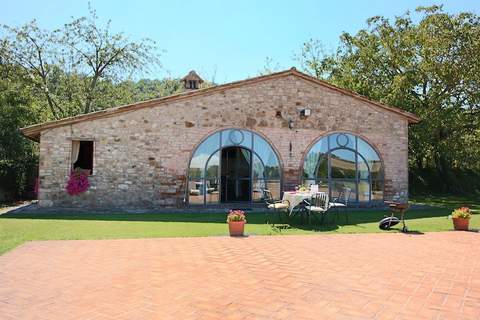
x=77, y=183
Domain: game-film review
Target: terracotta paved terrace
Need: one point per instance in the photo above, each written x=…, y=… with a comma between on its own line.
x=373, y=276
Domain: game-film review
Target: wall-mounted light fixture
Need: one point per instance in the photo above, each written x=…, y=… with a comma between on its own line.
x=305, y=112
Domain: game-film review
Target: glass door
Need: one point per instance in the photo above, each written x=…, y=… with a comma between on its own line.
x=236, y=175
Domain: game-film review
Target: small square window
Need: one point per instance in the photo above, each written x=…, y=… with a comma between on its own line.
x=82, y=155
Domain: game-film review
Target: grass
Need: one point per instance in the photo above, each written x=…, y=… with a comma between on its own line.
x=18, y=228
x=450, y=201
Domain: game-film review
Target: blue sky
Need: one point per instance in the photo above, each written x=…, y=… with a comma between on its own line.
x=228, y=39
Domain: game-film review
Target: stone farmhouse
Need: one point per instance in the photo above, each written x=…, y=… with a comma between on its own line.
x=225, y=144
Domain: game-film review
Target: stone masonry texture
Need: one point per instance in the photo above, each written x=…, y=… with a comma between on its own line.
x=141, y=157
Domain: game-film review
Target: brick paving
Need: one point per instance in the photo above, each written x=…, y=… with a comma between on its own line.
x=374, y=276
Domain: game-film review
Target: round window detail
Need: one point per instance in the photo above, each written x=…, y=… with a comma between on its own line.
x=236, y=137
x=342, y=140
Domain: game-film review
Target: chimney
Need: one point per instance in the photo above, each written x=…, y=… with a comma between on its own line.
x=192, y=81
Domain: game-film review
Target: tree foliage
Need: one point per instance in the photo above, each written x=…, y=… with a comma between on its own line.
x=69, y=65
x=269, y=67
x=430, y=68
x=50, y=74
x=18, y=156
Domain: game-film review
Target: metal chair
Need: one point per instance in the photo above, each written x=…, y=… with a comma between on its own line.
x=317, y=205
x=341, y=202
x=274, y=205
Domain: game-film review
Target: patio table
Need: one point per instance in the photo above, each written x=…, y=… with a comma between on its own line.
x=295, y=198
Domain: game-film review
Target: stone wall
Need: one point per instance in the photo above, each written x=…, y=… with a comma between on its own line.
x=141, y=157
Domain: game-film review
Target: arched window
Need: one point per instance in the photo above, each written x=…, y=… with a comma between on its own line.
x=343, y=160
x=233, y=165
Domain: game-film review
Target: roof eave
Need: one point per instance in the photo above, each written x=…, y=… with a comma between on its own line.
x=33, y=135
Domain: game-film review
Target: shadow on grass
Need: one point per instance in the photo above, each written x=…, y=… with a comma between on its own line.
x=357, y=219
x=448, y=201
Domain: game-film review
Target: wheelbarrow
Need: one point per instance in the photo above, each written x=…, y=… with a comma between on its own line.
x=396, y=209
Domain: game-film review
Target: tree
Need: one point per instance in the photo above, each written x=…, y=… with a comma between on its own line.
x=430, y=68
x=269, y=67
x=129, y=91
x=314, y=59
x=18, y=156
x=68, y=65
x=78, y=68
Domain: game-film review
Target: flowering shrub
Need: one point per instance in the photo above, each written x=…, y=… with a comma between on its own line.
x=77, y=182
x=463, y=213
x=236, y=215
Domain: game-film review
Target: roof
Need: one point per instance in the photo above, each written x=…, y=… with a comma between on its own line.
x=33, y=132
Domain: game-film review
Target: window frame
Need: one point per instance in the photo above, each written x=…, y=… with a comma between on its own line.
x=221, y=145
x=359, y=157
x=94, y=149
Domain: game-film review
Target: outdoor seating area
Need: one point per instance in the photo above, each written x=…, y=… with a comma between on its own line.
x=310, y=204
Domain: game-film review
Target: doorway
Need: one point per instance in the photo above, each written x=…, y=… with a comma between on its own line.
x=236, y=168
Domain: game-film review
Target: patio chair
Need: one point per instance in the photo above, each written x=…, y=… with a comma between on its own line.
x=317, y=205
x=274, y=205
x=299, y=210
x=341, y=202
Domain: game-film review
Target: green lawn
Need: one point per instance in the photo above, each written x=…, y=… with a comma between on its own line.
x=16, y=229
x=449, y=201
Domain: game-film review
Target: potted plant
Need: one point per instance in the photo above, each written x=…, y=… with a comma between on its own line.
x=461, y=218
x=236, y=222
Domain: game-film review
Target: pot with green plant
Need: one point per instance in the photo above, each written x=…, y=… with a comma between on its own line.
x=461, y=218
x=236, y=222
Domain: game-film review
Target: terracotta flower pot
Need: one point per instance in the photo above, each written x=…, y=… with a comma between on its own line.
x=236, y=228
x=460, y=223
